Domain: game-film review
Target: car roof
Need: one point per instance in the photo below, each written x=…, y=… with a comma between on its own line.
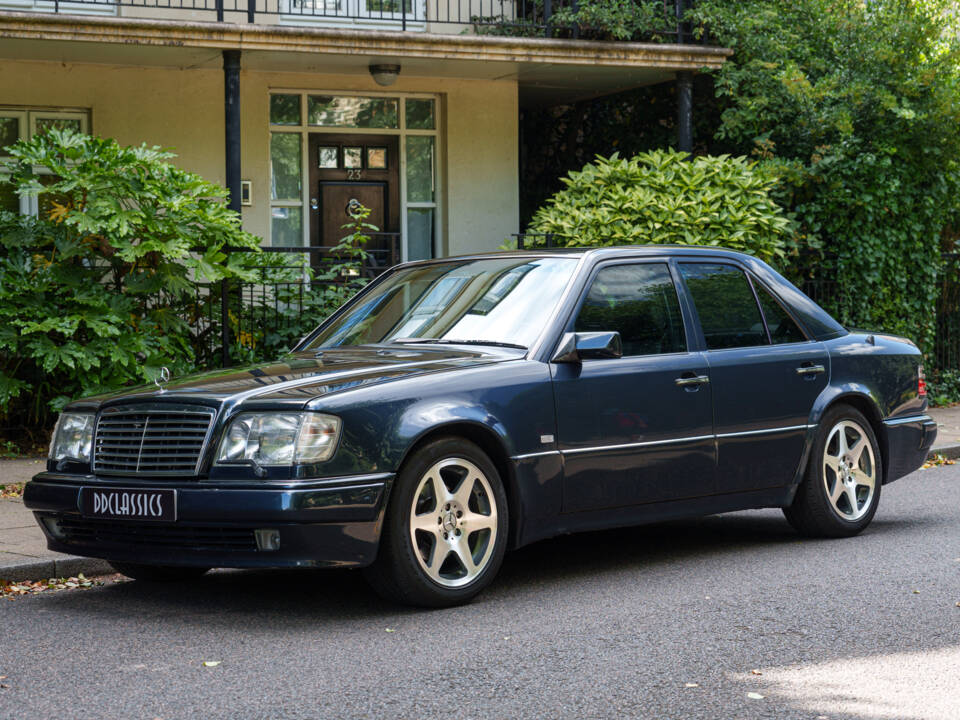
x=602, y=252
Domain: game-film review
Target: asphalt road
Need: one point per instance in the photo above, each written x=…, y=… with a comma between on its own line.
x=612, y=624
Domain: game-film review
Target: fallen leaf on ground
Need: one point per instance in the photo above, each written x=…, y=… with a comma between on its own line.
x=754, y=696
x=916, y=592
x=390, y=630
x=938, y=460
x=11, y=490
x=756, y=672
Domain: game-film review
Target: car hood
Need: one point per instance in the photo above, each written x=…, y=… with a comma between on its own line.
x=301, y=377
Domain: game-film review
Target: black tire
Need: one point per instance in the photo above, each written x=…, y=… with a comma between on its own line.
x=397, y=574
x=158, y=573
x=812, y=513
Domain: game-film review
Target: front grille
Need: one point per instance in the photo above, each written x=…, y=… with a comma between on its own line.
x=82, y=531
x=136, y=441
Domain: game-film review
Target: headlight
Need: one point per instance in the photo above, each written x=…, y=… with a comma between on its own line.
x=72, y=437
x=280, y=438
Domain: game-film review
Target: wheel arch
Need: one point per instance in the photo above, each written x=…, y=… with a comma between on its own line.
x=867, y=406
x=493, y=446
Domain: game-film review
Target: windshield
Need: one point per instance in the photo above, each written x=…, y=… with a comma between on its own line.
x=495, y=301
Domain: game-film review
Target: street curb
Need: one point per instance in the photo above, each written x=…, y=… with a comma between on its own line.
x=54, y=567
x=951, y=452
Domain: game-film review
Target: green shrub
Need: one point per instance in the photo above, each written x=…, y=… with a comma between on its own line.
x=100, y=290
x=663, y=197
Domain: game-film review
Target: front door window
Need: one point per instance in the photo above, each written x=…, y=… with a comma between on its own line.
x=629, y=433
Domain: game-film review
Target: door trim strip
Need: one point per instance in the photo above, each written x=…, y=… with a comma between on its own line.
x=672, y=441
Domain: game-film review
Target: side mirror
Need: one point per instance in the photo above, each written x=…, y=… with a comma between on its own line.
x=575, y=347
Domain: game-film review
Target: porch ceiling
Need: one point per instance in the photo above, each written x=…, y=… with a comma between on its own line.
x=547, y=71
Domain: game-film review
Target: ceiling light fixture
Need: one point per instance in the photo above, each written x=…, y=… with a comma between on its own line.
x=384, y=75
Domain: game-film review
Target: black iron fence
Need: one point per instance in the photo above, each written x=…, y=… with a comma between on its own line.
x=291, y=291
x=544, y=18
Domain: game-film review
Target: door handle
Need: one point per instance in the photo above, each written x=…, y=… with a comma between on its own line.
x=810, y=369
x=692, y=380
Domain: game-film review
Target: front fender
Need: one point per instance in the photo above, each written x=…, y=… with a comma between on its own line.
x=429, y=416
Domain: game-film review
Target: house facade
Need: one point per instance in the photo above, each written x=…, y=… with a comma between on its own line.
x=299, y=107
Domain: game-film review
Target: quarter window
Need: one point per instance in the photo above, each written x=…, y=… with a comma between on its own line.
x=729, y=315
x=781, y=326
x=638, y=301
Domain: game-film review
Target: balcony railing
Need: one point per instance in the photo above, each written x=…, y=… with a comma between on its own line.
x=518, y=18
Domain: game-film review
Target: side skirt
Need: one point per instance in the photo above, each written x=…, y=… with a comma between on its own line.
x=657, y=512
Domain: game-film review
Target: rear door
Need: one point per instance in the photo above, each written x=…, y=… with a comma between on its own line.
x=629, y=433
x=764, y=372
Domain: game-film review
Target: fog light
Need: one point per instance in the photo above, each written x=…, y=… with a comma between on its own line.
x=267, y=539
x=52, y=525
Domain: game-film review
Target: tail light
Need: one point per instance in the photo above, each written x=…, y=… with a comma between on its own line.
x=921, y=382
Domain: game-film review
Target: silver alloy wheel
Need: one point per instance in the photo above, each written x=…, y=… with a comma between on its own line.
x=849, y=470
x=453, y=522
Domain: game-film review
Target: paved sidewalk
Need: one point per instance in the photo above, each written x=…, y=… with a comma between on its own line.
x=23, y=548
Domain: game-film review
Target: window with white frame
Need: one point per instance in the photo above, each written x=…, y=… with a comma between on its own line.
x=413, y=118
x=83, y=7
x=23, y=124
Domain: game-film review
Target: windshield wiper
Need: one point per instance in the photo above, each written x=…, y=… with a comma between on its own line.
x=445, y=341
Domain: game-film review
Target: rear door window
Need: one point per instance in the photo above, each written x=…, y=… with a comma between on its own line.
x=782, y=327
x=640, y=302
x=728, y=310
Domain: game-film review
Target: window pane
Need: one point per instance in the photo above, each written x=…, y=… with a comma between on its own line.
x=420, y=233
x=638, y=301
x=9, y=132
x=419, y=169
x=285, y=228
x=387, y=6
x=8, y=198
x=45, y=124
x=781, y=326
x=285, y=109
x=420, y=114
x=728, y=311
x=284, y=166
x=359, y=112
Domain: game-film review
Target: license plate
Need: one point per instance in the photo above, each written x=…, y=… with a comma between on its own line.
x=129, y=504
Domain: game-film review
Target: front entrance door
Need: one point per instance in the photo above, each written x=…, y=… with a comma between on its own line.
x=361, y=168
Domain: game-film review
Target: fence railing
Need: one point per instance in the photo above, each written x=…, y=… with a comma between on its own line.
x=547, y=18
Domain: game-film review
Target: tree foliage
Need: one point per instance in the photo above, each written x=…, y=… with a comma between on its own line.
x=662, y=197
x=854, y=106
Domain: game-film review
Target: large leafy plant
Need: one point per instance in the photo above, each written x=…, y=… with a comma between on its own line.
x=663, y=197
x=100, y=289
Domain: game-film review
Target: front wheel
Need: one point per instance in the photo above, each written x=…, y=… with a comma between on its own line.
x=158, y=573
x=445, y=532
x=841, y=488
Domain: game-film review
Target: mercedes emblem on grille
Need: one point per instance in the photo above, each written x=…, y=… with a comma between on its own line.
x=162, y=378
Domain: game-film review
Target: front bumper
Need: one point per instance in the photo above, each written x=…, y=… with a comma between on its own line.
x=333, y=522
x=909, y=441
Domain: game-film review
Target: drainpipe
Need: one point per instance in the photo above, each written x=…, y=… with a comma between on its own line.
x=231, y=115
x=685, y=111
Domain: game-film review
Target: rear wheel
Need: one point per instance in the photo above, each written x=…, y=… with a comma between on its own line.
x=841, y=488
x=158, y=573
x=445, y=532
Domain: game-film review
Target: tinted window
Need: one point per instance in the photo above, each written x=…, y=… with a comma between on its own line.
x=638, y=301
x=781, y=326
x=725, y=303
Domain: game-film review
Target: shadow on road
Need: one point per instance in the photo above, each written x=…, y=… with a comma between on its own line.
x=343, y=594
